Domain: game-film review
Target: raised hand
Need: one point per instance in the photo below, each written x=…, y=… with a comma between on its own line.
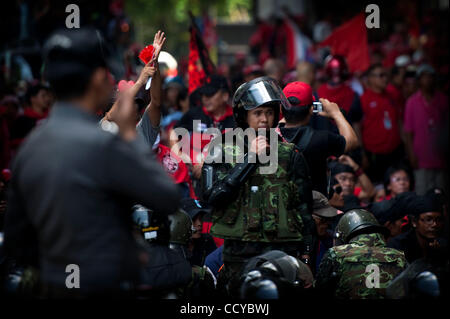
x=345, y=159
x=158, y=43
x=149, y=70
x=330, y=109
x=125, y=115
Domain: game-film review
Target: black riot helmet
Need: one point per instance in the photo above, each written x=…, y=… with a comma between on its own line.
x=415, y=282
x=274, y=275
x=355, y=222
x=181, y=229
x=262, y=91
x=154, y=227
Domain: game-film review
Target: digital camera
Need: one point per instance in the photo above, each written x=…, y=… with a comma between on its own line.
x=317, y=107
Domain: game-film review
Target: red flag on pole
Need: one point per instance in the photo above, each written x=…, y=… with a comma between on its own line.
x=200, y=65
x=350, y=40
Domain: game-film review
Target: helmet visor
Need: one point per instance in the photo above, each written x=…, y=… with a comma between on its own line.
x=263, y=92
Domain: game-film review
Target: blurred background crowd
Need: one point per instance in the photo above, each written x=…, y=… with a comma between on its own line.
x=402, y=66
x=246, y=39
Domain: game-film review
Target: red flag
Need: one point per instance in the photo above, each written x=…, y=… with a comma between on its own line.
x=200, y=65
x=350, y=40
x=147, y=54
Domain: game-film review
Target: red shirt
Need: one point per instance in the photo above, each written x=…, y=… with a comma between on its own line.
x=397, y=99
x=357, y=191
x=342, y=95
x=379, y=126
x=175, y=167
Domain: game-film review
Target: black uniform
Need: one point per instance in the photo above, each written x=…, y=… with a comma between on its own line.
x=317, y=146
x=71, y=190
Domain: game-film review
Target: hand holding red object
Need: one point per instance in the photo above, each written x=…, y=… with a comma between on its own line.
x=146, y=54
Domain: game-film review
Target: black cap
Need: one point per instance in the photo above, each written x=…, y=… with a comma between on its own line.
x=193, y=207
x=34, y=89
x=75, y=50
x=382, y=211
x=351, y=202
x=214, y=83
x=403, y=204
x=337, y=168
x=426, y=203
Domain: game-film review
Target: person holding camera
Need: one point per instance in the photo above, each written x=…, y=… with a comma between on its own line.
x=355, y=189
x=316, y=145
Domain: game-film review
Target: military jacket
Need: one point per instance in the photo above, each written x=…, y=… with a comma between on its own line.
x=361, y=269
x=268, y=207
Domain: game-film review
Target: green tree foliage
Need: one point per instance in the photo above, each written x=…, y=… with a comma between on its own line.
x=171, y=16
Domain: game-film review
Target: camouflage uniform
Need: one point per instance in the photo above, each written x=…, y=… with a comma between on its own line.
x=342, y=270
x=277, y=216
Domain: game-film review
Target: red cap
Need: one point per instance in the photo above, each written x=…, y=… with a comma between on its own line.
x=301, y=91
x=336, y=66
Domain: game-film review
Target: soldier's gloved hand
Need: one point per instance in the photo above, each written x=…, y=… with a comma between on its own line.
x=221, y=196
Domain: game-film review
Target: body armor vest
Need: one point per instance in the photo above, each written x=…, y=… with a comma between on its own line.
x=266, y=207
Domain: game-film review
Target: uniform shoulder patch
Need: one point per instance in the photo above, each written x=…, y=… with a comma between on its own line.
x=232, y=150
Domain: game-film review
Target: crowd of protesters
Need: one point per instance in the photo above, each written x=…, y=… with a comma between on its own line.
x=384, y=150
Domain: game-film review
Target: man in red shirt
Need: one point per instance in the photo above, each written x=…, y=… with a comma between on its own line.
x=380, y=125
x=395, y=89
x=338, y=91
x=215, y=112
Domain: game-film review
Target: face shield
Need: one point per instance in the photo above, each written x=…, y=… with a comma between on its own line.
x=259, y=92
x=141, y=216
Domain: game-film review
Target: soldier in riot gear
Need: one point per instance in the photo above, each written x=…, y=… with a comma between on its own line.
x=203, y=282
x=166, y=269
x=255, y=212
x=415, y=282
x=359, y=243
x=275, y=275
x=168, y=273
